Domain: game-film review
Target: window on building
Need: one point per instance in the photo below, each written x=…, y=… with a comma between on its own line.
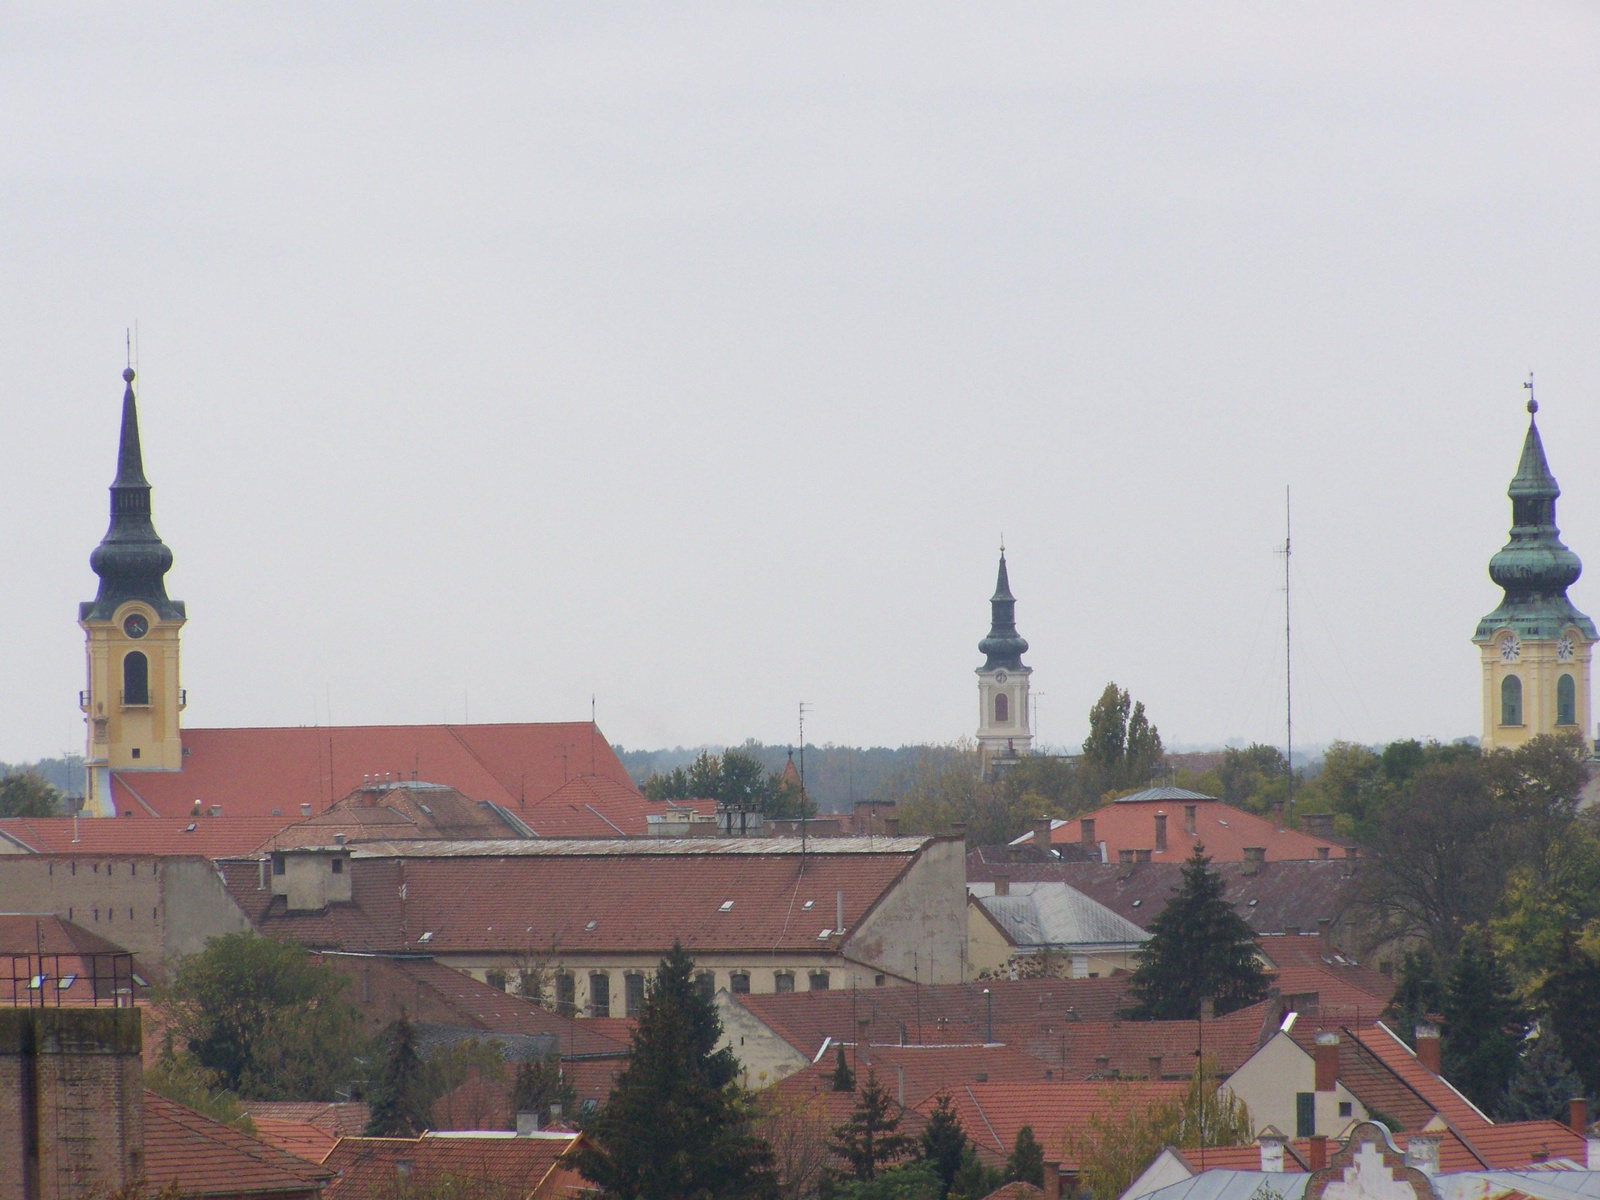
x=706, y=984
x=1566, y=701
x=530, y=986
x=495, y=979
x=739, y=983
x=819, y=981
x=632, y=995
x=1305, y=1114
x=566, y=995
x=338, y=866
x=1346, y=1109
x=278, y=864
x=599, y=994
x=1511, y=700
x=135, y=678
x=1002, y=708
x=783, y=981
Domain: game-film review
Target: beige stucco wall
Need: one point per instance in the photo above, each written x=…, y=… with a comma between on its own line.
x=918, y=931
x=988, y=950
x=764, y=1057
x=1269, y=1079
x=1538, y=667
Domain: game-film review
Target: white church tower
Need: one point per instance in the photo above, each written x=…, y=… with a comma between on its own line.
x=1003, y=733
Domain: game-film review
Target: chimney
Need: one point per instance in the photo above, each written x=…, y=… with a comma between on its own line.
x=1318, y=825
x=1087, y=827
x=1002, y=885
x=1422, y=1151
x=1102, y=1063
x=1052, y=1180
x=1578, y=1115
x=1277, y=814
x=838, y=925
x=1271, y=1142
x=1317, y=1156
x=1041, y=834
x=1141, y=856
x=305, y=808
x=1188, y=818
x=1155, y=1067
x=1326, y=1054
x=959, y=828
x=1125, y=856
x=1254, y=856
x=1208, y=1008
x=1428, y=1046
x=216, y=810
x=527, y=1124
x=1161, y=832
x=891, y=827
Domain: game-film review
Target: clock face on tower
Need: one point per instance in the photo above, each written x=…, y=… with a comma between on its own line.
x=1564, y=648
x=1510, y=648
x=135, y=626
x=1000, y=677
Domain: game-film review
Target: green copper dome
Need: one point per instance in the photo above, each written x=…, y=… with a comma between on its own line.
x=1004, y=647
x=1534, y=568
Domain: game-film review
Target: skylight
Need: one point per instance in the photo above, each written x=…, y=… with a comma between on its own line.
x=592, y=925
x=66, y=981
x=725, y=906
x=825, y=934
x=808, y=906
x=426, y=937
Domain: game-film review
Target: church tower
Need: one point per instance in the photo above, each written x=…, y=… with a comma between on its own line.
x=1535, y=647
x=1003, y=732
x=133, y=698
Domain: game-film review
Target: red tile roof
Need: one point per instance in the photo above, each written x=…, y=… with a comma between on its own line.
x=207, y=1158
x=48, y=951
x=1386, y=1046
x=1225, y=831
x=1507, y=1147
x=1016, y=1190
x=339, y=1118
x=261, y=771
x=637, y=896
x=923, y=1071
x=299, y=1138
x=590, y=806
x=1311, y=952
x=370, y=1166
x=992, y=1113
x=1129, y=1046
x=395, y=812
x=208, y=837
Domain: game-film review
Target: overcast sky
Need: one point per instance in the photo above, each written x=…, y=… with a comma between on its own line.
x=697, y=357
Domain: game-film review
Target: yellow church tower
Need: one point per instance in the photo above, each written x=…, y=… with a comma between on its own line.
x=1535, y=647
x=131, y=628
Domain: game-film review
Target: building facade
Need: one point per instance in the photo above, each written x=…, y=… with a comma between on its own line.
x=1003, y=728
x=1535, y=647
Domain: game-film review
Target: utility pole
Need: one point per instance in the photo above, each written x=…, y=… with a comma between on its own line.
x=803, y=709
x=1288, y=663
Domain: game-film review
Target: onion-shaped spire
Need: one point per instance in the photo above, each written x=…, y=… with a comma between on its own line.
x=131, y=560
x=1003, y=647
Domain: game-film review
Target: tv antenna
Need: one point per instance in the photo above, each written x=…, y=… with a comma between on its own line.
x=1288, y=660
x=804, y=708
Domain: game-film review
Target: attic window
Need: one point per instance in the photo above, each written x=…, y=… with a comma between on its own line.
x=65, y=982
x=808, y=906
x=1137, y=903
x=824, y=935
x=189, y=828
x=725, y=906
x=1253, y=903
x=426, y=809
x=592, y=925
x=425, y=937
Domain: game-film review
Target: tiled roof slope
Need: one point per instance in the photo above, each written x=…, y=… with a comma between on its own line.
x=49, y=952
x=208, y=837
x=207, y=1158
x=1385, y=1045
x=992, y=1113
x=947, y=1014
x=299, y=1138
x=1505, y=1147
x=339, y=1118
x=1225, y=831
x=582, y=896
x=921, y=1071
x=406, y=810
x=263, y=772
x=369, y=1166
x=1129, y=1046
x=46, y=933
x=1309, y=957
x=590, y=806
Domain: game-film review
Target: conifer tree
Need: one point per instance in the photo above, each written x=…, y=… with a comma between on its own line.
x=1483, y=1024
x=677, y=1124
x=1571, y=995
x=1026, y=1161
x=943, y=1141
x=398, y=1097
x=871, y=1138
x=1418, y=994
x=1199, y=946
x=844, y=1079
x=1543, y=1083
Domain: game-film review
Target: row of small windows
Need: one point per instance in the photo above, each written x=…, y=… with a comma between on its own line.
x=1511, y=700
x=633, y=983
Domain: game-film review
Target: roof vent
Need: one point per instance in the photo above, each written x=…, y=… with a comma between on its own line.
x=725, y=906
x=824, y=935
x=592, y=925
x=305, y=808
x=338, y=839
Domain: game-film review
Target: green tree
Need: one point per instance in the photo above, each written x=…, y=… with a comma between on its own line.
x=397, y=1098
x=1571, y=997
x=1026, y=1161
x=1143, y=756
x=1254, y=777
x=177, y=1076
x=871, y=1138
x=844, y=1079
x=734, y=779
x=1418, y=995
x=1199, y=947
x=26, y=794
x=1542, y=1084
x=1484, y=1024
x=266, y=1020
x=944, y=1141
x=676, y=1123
x=1107, y=744
x=909, y=1181
x=539, y=1086
x=975, y=1178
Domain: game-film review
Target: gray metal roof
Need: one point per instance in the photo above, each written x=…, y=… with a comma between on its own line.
x=1162, y=793
x=1053, y=914
x=1233, y=1185
x=1549, y=1184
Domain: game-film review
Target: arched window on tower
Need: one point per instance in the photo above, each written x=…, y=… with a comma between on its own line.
x=135, y=678
x=1511, y=700
x=1566, y=701
x=1002, y=708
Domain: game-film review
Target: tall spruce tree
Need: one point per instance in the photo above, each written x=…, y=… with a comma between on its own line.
x=1571, y=995
x=1199, y=946
x=398, y=1096
x=1026, y=1161
x=1418, y=994
x=1484, y=1024
x=844, y=1079
x=677, y=1124
x=1543, y=1084
x=944, y=1140
x=871, y=1138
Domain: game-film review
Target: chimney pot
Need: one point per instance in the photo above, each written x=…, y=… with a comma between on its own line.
x=1052, y=1180
x=1041, y=834
x=1086, y=826
x=1277, y=813
x=1141, y=856
x=1161, y=832
x=1578, y=1115
x=527, y=1124
x=1317, y=1157
x=1427, y=1037
x=1155, y=1066
x=1271, y=1142
x=1125, y=856
x=1318, y=825
x=1326, y=1055
x=1002, y=885
x=1254, y=856
x=1208, y=1008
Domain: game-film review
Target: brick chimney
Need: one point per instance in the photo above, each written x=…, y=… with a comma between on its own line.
x=1087, y=827
x=1141, y=856
x=1041, y=834
x=1125, y=856
x=1254, y=856
x=1326, y=1055
x=1317, y=1154
x=1428, y=1046
x=1208, y=1008
x=1052, y=1180
x=1578, y=1115
x=1002, y=885
x=1318, y=825
x=1155, y=1067
x=1161, y=832
x=1277, y=814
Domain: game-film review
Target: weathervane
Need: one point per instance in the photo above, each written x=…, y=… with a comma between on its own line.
x=1533, y=405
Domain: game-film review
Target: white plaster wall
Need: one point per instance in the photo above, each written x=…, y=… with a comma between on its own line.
x=919, y=928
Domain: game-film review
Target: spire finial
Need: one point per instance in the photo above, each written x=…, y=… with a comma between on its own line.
x=1533, y=405
x=1002, y=545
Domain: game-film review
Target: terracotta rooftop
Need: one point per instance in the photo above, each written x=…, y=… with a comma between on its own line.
x=64, y=963
x=338, y=1118
x=208, y=1158
x=1385, y=1045
x=1506, y=1147
x=370, y=1166
x=299, y=1138
x=590, y=806
x=1225, y=831
x=264, y=772
x=636, y=896
x=386, y=812
x=208, y=837
x=993, y=1113
x=1016, y=1190
x=922, y=1071
x=1125, y=1049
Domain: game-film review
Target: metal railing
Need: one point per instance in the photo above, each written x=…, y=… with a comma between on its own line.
x=76, y=980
